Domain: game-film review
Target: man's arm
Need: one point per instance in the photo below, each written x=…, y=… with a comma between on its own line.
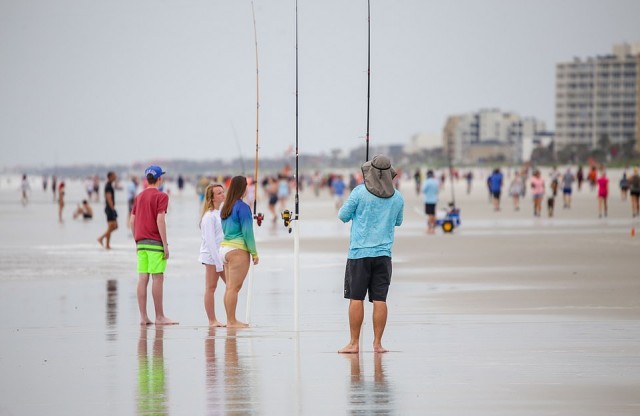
x=132, y=222
x=109, y=197
x=348, y=208
x=400, y=216
x=162, y=229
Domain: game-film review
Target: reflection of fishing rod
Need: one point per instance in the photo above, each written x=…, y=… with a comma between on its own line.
x=368, y=72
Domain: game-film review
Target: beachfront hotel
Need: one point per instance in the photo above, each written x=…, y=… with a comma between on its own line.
x=491, y=135
x=599, y=97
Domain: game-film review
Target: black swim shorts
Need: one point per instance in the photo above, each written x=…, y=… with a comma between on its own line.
x=430, y=209
x=112, y=215
x=372, y=274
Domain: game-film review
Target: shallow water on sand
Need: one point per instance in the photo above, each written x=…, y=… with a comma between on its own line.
x=510, y=315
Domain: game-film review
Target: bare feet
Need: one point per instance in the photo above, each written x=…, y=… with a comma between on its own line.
x=350, y=349
x=216, y=324
x=100, y=240
x=146, y=322
x=379, y=348
x=165, y=321
x=237, y=324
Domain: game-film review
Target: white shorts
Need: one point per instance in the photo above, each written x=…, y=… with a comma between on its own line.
x=224, y=250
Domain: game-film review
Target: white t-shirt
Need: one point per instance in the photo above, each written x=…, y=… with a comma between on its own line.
x=212, y=236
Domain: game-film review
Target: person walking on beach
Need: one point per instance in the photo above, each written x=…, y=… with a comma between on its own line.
x=132, y=190
x=96, y=187
x=537, y=188
x=212, y=235
x=338, y=187
x=603, y=193
x=54, y=186
x=567, y=188
x=237, y=246
x=469, y=178
x=624, y=187
x=61, y=192
x=580, y=177
x=592, y=177
x=431, y=191
x=374, y=209
x=25, y=187
x=109, y=210
x=495, y=187
x=272, y=193
x=515, y=190
x=150, y=234
x=634, y=192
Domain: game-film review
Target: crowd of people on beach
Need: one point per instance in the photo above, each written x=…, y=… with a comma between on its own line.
x=228, y=246
x=527, y=178
x=369, y=199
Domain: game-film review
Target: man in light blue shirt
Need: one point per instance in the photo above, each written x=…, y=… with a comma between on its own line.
x=374, y=209
x=431, y=189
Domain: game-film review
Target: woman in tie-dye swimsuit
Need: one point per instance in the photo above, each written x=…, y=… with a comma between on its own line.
x=237, y=247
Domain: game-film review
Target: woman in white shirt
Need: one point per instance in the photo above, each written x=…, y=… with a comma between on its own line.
x=212, y=235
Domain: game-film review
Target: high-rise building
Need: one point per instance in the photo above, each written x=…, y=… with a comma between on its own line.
x=489, y=136
x=598, y=99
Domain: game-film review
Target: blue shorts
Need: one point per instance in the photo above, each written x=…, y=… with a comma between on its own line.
x=566, y=191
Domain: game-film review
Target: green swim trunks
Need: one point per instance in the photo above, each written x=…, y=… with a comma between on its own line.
x=151, y=257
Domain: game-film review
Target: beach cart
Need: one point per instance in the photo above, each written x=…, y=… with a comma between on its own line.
x=448, y=219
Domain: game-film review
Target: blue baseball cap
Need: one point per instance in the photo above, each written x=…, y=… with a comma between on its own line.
x=154, y=170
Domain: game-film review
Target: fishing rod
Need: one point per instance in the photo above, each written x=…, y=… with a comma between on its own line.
x=296, y=235
x=368, y=72
x=258, y=216
x=291, y=220
x=287, y=215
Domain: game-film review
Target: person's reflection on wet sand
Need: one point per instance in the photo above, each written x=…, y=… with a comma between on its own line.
x=152, y=397
x=366, y=397
x=214, y=384
x=237, y=385
x=112, y=308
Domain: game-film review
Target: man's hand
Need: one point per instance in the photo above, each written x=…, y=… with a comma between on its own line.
x=166, y=252
x=256, y=259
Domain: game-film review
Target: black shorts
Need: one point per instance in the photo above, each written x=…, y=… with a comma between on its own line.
x=635, y=193
x=496, y=194
x=112, y=215
x=273, y=199
x=369, y=274
x=430, y=209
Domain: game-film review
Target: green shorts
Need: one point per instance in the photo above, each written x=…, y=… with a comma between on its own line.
x=151, y=257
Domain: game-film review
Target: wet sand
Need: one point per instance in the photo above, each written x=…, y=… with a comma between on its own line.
x=509, y=315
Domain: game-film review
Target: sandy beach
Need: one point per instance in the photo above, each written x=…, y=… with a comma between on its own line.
x=508, y=315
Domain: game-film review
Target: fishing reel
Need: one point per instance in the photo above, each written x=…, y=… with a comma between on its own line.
x=259, y=217
x=286, y=217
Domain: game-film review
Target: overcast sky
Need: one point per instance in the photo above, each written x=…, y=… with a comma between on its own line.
x=86, y=81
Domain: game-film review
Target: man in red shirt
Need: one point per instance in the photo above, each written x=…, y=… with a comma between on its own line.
x=150, y=233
